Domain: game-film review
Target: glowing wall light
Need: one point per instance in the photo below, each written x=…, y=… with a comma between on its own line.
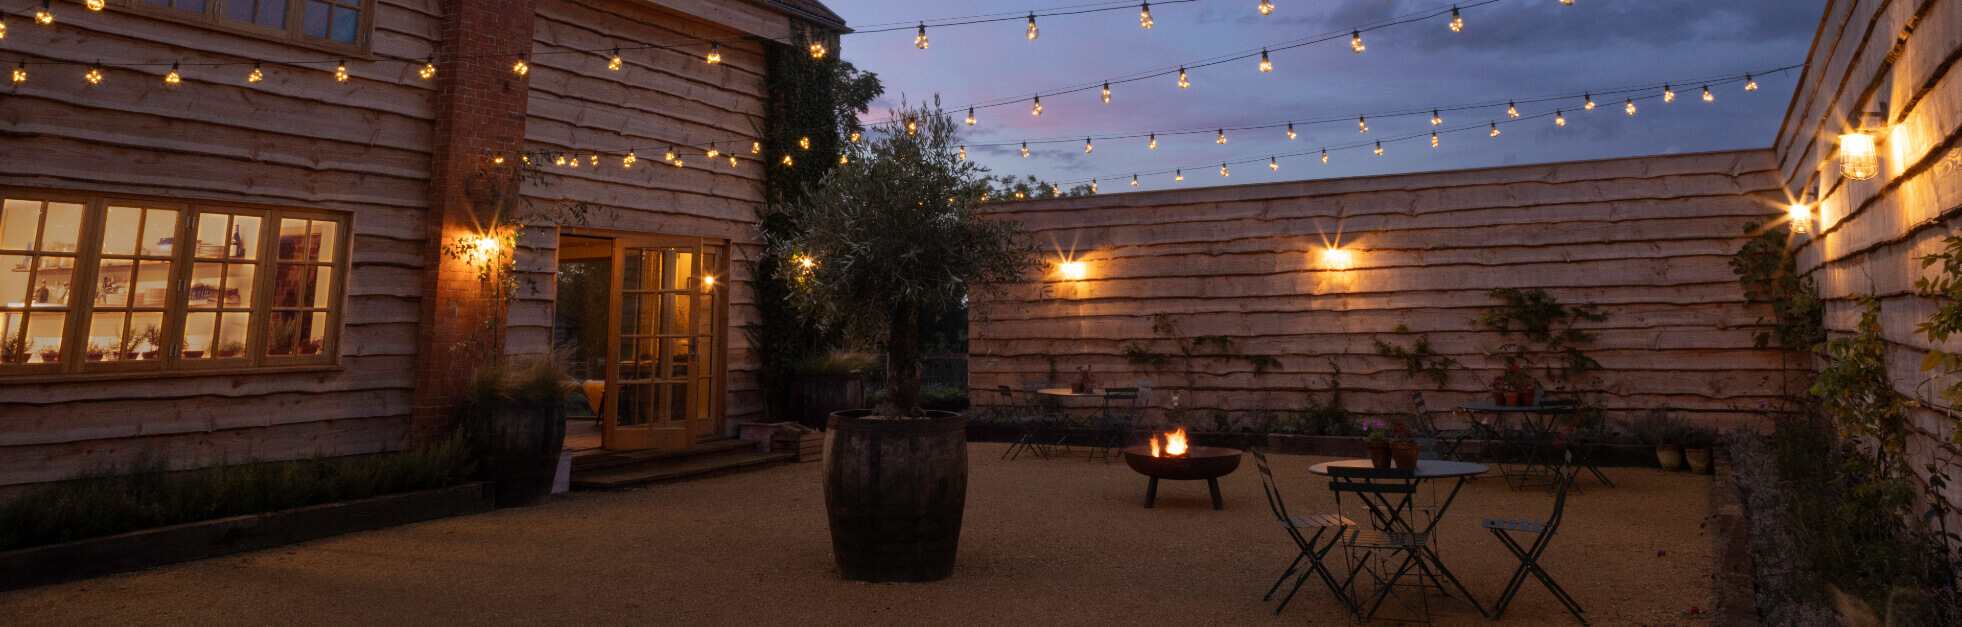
x=1071, y=270
x=1859, y=158
x=1801, y=218
x=1338, y=259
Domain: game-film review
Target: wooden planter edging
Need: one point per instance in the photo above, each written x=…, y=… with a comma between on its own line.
x=137, y=550
x=1327, y=445
x=1733, y=587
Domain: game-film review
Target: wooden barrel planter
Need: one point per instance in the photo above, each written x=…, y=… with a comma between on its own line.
x=521, y=446
x=815, y=396
x=895, y=489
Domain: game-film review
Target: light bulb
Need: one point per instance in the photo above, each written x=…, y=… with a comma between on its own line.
x=1433, y=139
x=1559, y=118
x=3, y=27
x=712, y=152
x=1106, y=93
x=1032, y=27
x=1435, y=118
x=1025, y=150
x=1290, y=130
x=1457, y=21
x=1086, y=145
x=1495, y=129
x=1800, y=215
x=668, y=157
x=787, y=161
x=715, y=53
x=817, y=51
x=94, y=75
x=912, y=127
x=520, y=67
x=94, y=5
x=560, y=161
x=1631, y=106
x=1356, y=41
x=500, y=160
x=428, y=68
x=1055, y=190
x=1590, y=102
x=1134, y=180
x=1222, y=137
x=842, y=160
x=804, y=143
x=920, y=41
x=1324, y=156
x=1222, y=170
x=256, y=75
x=20, y=73
x=340, y=71
x=1144, y=15
x=853, y=138
x=628, y=161
x=963, y=153
x=1265, y=65
x=1362, y=125
x=595, y=158
x=1182, y=82
x=1093, y=186
x=1154, y=142
x=43, y=15
x=575, y=161
x=732, y=161
x=677, y=163
x=1859, y=158
x=1379, y=149
x=1668, y=95
x=755, y=147
x=1751, y=84
x=1512, y=110
x=1266, y=7
x=1567, y=2
x=970, y=116
x=1272, y=164
x=1178, y=175
x=1707, y=96
x=1038, y=106
x=173, y=78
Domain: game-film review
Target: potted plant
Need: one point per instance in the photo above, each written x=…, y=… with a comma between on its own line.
x=1514, y=387
x=232, y=348
x=515, y=410
x=95, y=352
x=1663, y=431
x=11, y=353
x=1378, y=441
x=1699, y=448
x=1403, y=451
x=149, y=341
x=50, y=355
x=894, y=232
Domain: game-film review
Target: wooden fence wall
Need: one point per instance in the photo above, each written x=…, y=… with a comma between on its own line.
x=1871, y=234
x=1648, y=239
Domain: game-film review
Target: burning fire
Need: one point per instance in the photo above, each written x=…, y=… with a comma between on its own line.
x=1174, y=444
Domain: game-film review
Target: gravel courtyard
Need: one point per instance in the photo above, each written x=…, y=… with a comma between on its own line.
x=1059, y=541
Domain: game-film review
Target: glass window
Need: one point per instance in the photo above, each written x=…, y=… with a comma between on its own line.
x=335, y=21
x=39, y=262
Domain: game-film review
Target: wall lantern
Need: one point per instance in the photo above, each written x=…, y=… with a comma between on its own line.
x=1801, y=217
x=1337, y=259
x=708, y=282
x=1071, y=270
x=487, y=247
x=1859, y=155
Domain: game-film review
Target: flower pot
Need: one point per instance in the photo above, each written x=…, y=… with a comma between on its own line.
x=1512, y=399
x=1379, y=453
x=1498, y=397
x=149, y=354
x=1670, y=456
x=1529, y=397
x=1403, y=454
x=193, y=354
x=521, y=447
x=894, y=491
x=1700, y=460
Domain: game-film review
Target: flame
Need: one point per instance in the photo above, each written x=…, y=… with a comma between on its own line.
x=1174, y=444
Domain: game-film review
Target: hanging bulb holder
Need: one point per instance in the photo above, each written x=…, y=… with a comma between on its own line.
x=1144, y=15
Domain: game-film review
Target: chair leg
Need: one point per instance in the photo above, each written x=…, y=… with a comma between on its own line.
x=1284, y=578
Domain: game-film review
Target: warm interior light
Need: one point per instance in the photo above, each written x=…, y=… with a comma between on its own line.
x=1801, y=217
x=708, y=282
x=1859, y=159
x=1072, y=270
x=1337, y=259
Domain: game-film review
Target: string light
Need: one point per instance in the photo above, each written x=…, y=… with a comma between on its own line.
x=679, y=164
x=963, y=153
x=1590, y=102
x=1356, y=41
x=1631, y=106
x=1512, y=110
x=1362, y=124
x=1106, y=93
x=842, y=160
x=1154, y=142
x=1038, y=106
x=1495, y=129
x=94, y=5
x=94, y=74
x=715, y=53
x=1055, y=190
x=1707, y=96
x=1567, y=2
x=1222, y=137
x=1668, y=95
x=1032, y=27
x=43, y=15
x=3, y=26
x=1457, y=22
x=1379, y=149
x=172, y=78
x=755, y=147
x=853, y=138
x=1144, y=15
x=1750, y=84
x=712, y=152
x=1178, y=175
x=1086, y=146
x=575, y=162
x=20, y=73
x=1433, y=139
x=670, y=156
x=912, y=127
x=520, y=67
x=1134, y=180
x=787, y=161
x=970, y=116
x=1182, y=82
x=1435, y=118
x=428, y=67
x=1266, y=7
x=1025, y=150
x=560, y=161
x=817, y=52
x=615, y=62
x=732, y=161
x=1324, y=155
x=1272, y=164
x=628, y=161
x=340, y=71
x=500, y=160
x=1222, y=170
x=804, y=143
x=595, y=159
x=1559, y=118
x=1290, y=130
x=920, y=41
x=1265, y=65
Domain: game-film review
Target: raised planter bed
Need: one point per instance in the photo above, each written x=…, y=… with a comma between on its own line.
x=1328, y=445
x=137, y=550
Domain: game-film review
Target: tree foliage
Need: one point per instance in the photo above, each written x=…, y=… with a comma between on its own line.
x=1769, y=273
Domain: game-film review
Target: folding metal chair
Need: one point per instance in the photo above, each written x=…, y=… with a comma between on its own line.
x=1529, y=555
x=1443, y=443
x=1114, y=424
x=1387, y=493
x=1313, y=549
x=1031, y=425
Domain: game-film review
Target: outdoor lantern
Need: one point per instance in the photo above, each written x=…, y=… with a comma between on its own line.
x=1801, y=217
x=1072, y=270
x=1337, y=259
x=708, y=282
x=1859, y=159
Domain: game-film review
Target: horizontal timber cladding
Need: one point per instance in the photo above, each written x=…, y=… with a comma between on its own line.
x=1871, y=234
x=1648, y=239
x=660, y=98
x=297, y=139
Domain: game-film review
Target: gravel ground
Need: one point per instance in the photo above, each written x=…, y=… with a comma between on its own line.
x=1046, y=541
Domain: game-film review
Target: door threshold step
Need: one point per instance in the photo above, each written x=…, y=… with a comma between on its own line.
x=677, y=470
x=601, y=459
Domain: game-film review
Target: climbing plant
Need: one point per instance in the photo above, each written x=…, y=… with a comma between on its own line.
x=1418, y=360
x=1767, y=269
x=1855, y=389
x=1945, y=286
x=494, y=194
x=1551, y=344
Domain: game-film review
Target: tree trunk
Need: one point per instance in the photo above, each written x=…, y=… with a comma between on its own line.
x=903, y=355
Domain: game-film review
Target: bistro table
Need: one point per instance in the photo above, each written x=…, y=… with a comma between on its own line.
x=1536, y=427
x=1427, y=469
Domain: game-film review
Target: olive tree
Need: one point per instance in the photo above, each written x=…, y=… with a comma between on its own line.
x=896, y=230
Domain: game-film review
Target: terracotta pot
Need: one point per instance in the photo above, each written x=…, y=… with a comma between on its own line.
x=1403, y=454
x=193, y=354
x=1379, y=453
x=1528, y=397
x=1512, y=399
x=1670, y=456
x=1700, y=460
x=1498, y=397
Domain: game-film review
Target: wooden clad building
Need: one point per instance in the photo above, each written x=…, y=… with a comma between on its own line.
x=217, y=250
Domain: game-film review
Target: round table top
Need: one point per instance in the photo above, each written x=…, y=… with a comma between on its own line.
x=1066, y=392
x=1426, y=468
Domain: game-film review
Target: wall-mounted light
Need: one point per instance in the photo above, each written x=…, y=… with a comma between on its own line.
x=708, y=282
x=1071, y=270
x=1801, y=216
x=487, y=247
x=1338, y=259
x=1859, y=154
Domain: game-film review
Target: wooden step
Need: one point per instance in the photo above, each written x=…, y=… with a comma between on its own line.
x=676, y=469
x=600, y=459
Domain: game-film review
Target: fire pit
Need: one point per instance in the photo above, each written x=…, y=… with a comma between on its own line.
x=1178, y=462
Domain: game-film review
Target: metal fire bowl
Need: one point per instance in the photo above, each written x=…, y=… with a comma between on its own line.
x=1198, y=463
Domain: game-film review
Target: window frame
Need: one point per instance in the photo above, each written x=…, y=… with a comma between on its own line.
x=213, y=16
x=82, y=305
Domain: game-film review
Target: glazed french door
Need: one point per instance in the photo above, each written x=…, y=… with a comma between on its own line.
x=663, y=356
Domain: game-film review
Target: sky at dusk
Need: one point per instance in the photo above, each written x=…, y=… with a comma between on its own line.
x=1508, y=50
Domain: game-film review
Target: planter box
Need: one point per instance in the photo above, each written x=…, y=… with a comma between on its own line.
x=759, y=432
x=137, y=550
x=809, y=447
